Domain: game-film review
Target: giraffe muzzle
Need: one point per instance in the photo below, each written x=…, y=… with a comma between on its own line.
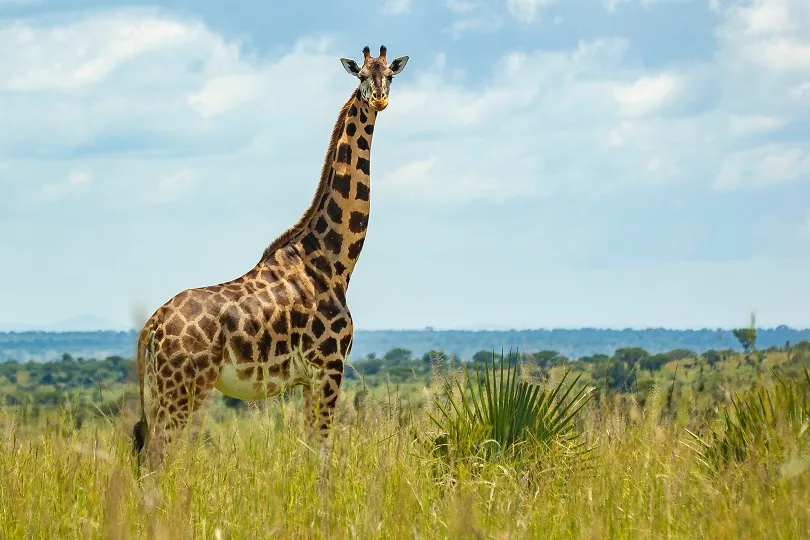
x=379, y=104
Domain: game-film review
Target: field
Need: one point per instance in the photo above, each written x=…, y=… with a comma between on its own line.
x=247, y=472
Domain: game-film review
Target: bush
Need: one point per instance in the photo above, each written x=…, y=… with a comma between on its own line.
x=497, y=414
x=755, y=423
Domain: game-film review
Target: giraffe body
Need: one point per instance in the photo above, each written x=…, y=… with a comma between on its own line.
x=285, y=322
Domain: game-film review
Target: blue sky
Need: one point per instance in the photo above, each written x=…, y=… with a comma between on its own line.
x=542, y=163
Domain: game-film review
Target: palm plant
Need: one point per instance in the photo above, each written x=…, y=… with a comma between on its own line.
x=494, y=413
x=755, y=423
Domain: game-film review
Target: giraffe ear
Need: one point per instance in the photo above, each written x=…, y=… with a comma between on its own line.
x=350, y=66
x=398, y=65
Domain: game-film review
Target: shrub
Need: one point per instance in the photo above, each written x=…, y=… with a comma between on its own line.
x=493, y=413
x=755, y=423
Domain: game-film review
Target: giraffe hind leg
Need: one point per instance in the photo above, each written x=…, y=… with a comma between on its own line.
x=173, y=400
x=165, y=430
x=174, y=410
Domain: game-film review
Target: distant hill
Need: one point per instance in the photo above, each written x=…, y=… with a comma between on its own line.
x=80, y=323
x=46, y=346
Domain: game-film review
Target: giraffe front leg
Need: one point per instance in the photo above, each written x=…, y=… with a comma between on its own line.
x=310, y=411
x=328, y=391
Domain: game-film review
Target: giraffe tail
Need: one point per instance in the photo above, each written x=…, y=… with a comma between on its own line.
x=146, y=353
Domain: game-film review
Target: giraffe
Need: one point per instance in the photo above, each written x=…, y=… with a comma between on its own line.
x=285, y=322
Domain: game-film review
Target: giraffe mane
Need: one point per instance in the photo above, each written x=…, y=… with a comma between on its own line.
x=292, y=233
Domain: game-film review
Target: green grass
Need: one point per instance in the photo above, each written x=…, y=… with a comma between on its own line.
x=250, y=475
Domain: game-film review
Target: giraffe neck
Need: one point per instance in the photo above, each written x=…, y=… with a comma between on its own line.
x=331, y=232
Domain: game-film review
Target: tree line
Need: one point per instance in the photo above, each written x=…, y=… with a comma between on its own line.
x=574, y=343
x=105, y=380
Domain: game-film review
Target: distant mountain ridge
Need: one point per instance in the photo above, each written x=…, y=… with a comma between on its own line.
x=41, y=346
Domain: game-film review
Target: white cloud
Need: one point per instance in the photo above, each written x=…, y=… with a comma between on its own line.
x=761, y=167
x=172, y=187
x=171, y=110
x=782, y=55
x=432, y=181
x=765, y=16
x=396, y=7
x=612, y=5
x=470, y=25
x=222, y=94
x=757, y=124
x=763, y=58
x=771, y=35
x=231, y=105
x=800, y=91
x=525, y=10
x=75, y=183
x=177, y=88
x=490, y=140
x=168, y=84
x=619, y=135
x=661, y=168
x=81, y=53
x=460, y=6
x=647, y=94
x=440, y=61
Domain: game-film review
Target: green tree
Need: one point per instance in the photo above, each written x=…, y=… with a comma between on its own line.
x=434, y=356
x=747, y=337
x=594, y=359
x=47, y=378
x=712, y=357
x=614, y=373
x=482, y=357
x=369, y=367
x=398, y=356
x=680, y=354
x=630, y=355
x=653, y=363
x=548, y=358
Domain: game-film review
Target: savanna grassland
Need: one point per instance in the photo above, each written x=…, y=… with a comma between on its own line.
x=692, y=447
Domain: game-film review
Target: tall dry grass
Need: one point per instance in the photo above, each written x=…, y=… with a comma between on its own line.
x=252, y=476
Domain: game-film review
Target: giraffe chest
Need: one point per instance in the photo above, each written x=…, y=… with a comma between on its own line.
x=263, y=378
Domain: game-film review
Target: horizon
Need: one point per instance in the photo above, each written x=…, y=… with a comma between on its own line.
x=4, y=329
x=152, y=148
x=573, y=343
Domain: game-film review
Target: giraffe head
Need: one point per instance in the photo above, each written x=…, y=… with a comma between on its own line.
x=375, y=76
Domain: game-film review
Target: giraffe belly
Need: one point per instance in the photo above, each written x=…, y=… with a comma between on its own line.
x=262, y=379
x=232, y=384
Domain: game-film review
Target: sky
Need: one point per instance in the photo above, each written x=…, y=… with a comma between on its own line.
x=541, y=164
